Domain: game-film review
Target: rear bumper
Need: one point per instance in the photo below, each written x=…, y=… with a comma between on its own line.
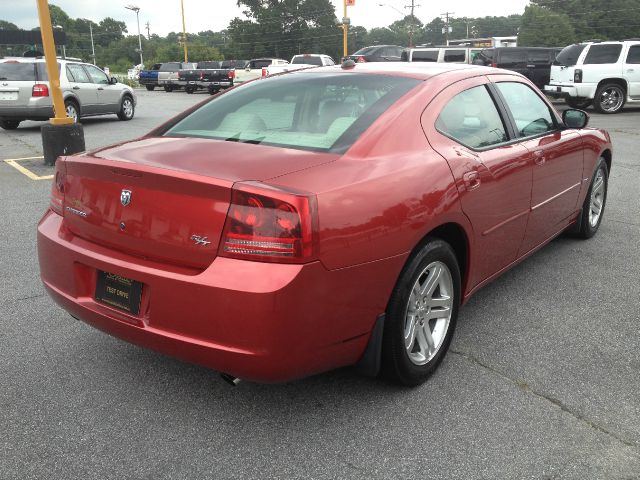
x=40, y=112
x=573, y=90
x=258, y=321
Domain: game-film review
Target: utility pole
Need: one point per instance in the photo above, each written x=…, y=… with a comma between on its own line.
x=413, y=6
x=184, y=34
x=148, y=31
x=447, y=28
x=93, y=49
x=137, y=10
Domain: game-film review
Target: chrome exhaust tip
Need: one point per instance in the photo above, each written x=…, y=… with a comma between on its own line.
x=230, y=379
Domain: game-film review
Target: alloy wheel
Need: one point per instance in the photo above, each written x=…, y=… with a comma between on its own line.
x=127, y=107
x=598, y=192
x=611, y=99
x=428, y=313
x=72, y=112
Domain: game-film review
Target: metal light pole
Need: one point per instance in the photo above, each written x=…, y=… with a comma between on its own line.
x=184, y=34
x=137, y=10
x=93, y=49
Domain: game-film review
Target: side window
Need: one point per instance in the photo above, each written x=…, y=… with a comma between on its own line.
x=472, y=119
x=510, y=57
x=599, y=54
x=70, y=76
x=634, y=55
x=425, y=56
x=540, y=57
x=97, y=75
x=78, y=73
x=530, y=112
x=454, y=56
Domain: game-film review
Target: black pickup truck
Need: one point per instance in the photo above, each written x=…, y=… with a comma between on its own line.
x=212, y=75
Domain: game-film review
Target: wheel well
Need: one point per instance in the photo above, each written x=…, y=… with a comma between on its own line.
x=607, y=158
x=618, y=81
x=73, y=99
x=454, y=235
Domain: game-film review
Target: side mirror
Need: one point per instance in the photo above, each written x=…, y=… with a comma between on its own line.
x=575, y=118
x=113, y=80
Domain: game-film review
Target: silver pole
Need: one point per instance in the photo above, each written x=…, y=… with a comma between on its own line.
x=93, y=50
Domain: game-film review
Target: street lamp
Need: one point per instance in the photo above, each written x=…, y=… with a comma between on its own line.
x=137, y=10
x=391, y=6
x=403, y=16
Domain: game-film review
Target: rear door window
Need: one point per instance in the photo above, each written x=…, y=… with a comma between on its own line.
x=601, y=54
x=540, y=57
x=634, y=55
x=425, y=56
x=472, y=119
x=455, y=56
x=531, y=114
x=78, y=73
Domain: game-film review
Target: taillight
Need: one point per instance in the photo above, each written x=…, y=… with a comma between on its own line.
x=270, y=225
x=494, y=65
x=265, y=72
x=232, y=74
x=577, y=75
x=40, y=90
x=56, y=203
x=362, y=60
x=201, y=75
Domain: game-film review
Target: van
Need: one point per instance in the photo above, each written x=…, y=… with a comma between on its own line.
x=532, y=62
x=440, y=54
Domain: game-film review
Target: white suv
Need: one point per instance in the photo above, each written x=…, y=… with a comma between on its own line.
x=605, y=74
x=87, y=91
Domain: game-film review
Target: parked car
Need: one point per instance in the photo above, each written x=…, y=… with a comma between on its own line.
x=307, y=60
x=149, y=78
x=87, y=91
x=207, y=75
x=440, y=54
x=532, y=62
x=377, y=53
x=323, y=218
x=255, y=68
x=605, y=74
x=168, y=75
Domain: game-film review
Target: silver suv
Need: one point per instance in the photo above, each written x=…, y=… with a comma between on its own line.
x=87, y=91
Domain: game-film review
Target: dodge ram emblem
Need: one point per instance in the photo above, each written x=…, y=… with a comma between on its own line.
x=125, y=197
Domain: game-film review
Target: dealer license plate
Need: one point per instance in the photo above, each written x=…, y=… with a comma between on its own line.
x=119, y=292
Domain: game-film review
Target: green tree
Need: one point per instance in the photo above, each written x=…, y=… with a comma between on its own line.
x=4, y=25
x=542, y=27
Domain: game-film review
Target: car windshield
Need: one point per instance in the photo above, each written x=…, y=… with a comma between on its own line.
x=306, y=60
x=569, y=55
x=320, y=112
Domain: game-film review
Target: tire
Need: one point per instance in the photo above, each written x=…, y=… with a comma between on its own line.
x=212, y=90
x=409, y=355
x=189, y=89
x=72, y=110
x=578, y=102
x=127, y=109
x=594, y=203
x=9, y=124
x=168, y=88
x=151, y=88
x=610, y=98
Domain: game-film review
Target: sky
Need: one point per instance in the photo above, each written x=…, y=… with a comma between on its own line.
x=164, y=15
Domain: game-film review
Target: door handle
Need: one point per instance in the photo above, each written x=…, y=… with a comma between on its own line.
x=539, y=157
x=630, y=70
x=531, y=66
x=76, y=87
x=471, y=180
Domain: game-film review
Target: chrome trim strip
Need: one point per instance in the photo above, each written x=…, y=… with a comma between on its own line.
x=503, y=223
x=555, y=196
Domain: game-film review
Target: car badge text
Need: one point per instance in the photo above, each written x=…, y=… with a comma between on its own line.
x=204, y=241
x=125, y=197
x=75, y=211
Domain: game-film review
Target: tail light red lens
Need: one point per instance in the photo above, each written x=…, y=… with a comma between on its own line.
x=362, y=60
x=232, y=74
x=577, y=75
x=494, y=65
x=270, y=225
x=56, y=202
x=265, y=72
x=40, y=90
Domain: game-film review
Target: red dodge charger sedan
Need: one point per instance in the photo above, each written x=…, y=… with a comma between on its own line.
x=322, y=218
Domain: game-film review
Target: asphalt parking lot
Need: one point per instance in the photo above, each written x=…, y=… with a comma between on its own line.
x=542, y=381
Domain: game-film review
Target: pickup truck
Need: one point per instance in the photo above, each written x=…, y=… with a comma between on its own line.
x=254, y=68
x=307, y=60
x=168, y=75
x=209, y=74
x=149, y=78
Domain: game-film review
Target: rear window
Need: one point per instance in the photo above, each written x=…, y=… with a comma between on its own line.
x=17, y=71
x=208, y=65
x=170, y=67
x=319, y=112
x=306, y=60
x=455, y=56
x=600, y=54
x=425, y=56
x=234, y=63
x=253, y=64
x=568, y=57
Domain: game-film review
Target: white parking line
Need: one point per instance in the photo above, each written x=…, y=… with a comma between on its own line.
x=25, y=171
